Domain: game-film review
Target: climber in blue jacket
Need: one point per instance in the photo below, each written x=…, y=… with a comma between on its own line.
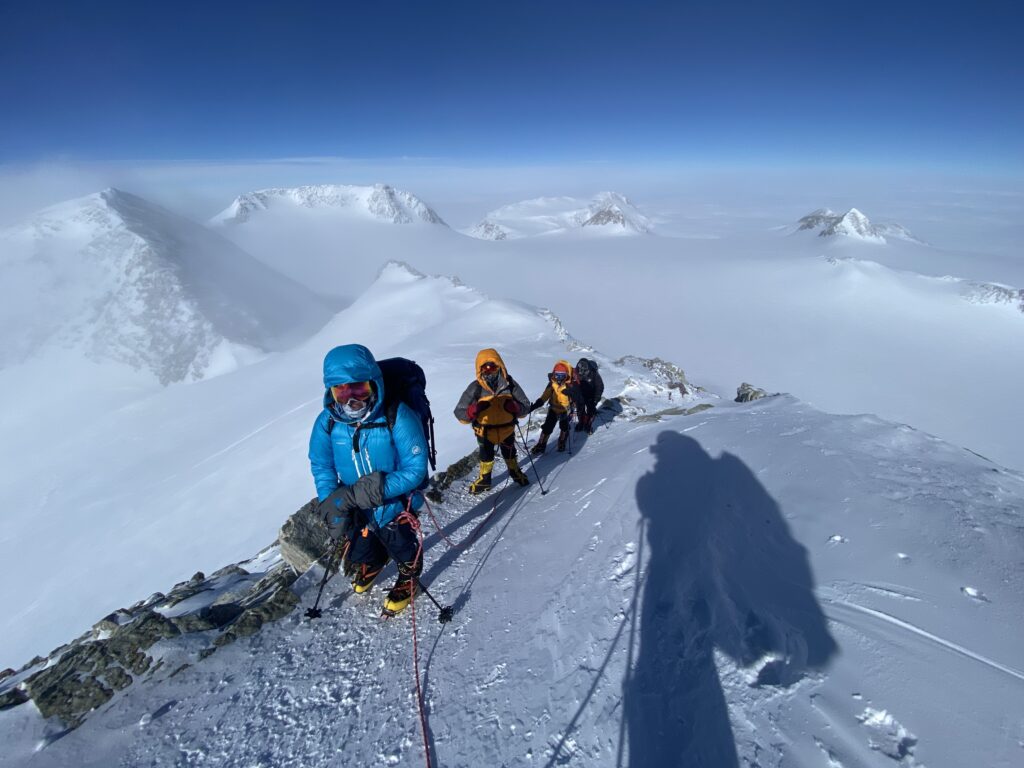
x=368, y=471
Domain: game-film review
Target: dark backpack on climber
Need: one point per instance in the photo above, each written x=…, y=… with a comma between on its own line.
x=405, y=382
x=586, y=372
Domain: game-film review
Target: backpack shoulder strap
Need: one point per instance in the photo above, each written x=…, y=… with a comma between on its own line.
x=391, y=414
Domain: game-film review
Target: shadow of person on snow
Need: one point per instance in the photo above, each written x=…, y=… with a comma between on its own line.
x=722, y=572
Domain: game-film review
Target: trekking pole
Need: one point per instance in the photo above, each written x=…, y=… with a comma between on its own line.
x=526, y=447
x=445, y=612
x=330, y=569
x=572, y=418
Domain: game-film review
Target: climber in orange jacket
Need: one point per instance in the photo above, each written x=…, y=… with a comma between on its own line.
x=491, y=403
x=561, y=395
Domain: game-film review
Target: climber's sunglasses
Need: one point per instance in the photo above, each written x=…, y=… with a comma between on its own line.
x=488, y=368
x=560, y=377
x=357, y=390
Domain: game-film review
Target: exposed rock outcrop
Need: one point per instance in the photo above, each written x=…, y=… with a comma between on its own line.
x=746, y=393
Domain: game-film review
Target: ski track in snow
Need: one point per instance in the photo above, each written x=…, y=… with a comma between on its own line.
x=940, y=641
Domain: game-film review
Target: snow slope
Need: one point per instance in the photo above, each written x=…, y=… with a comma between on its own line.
x=607, y=213
x=753, y=585
x=190, y=477
x=112, y=277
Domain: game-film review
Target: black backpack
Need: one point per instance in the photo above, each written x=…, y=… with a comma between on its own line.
x=404, y=382
x=586, y=372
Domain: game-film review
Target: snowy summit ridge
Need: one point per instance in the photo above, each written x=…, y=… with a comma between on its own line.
x=608, y=213
x=853, y=224
x=381, y=202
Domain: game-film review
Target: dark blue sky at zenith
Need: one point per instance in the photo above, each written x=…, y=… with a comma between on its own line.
x=934, y=84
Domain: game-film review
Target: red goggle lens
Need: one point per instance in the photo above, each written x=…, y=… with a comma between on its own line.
x=359, y=390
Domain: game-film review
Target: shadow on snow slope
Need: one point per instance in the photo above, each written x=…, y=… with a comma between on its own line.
x=723, y=572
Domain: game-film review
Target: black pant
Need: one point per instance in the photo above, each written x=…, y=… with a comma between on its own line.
x=586, y=403
x=507, y=447
x=373, y=547
x=549, y=423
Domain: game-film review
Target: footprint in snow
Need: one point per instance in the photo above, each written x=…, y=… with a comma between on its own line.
x=837, y=539
x=975, y=594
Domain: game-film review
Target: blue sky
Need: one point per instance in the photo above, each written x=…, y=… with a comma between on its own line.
x=715, y=83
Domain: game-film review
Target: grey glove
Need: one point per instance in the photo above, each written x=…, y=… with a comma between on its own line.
x=368, y=491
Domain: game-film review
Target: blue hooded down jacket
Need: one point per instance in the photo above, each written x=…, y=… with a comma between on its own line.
x=400, y=453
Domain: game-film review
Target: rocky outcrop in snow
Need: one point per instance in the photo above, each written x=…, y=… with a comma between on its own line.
x=607, y=213
x=746, y=393
x=610, y=209
x=118, y=278
x=380, y=202
x=993, y=293
x=86, y=673
x=488, y=230
x=853, y=224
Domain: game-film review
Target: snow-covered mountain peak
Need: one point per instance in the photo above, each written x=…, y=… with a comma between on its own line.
x=380, y=202
x=610, y=209
x=609, y=213
x=853, y=224
x=116, y=278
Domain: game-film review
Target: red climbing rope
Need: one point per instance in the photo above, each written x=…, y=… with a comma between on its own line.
x=412, y=521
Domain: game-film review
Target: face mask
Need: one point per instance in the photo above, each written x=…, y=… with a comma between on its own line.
x=492, y=379
x=356, y=409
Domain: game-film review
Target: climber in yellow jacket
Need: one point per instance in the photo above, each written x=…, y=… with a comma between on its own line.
x=491, y=403
x=561, y=395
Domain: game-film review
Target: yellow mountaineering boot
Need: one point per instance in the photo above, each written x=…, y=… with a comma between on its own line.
x=365, y=575
x=405, y=587
x=483, y=482
x=515, y=472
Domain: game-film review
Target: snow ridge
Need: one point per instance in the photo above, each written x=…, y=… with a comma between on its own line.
x=381, y=202
x=121, y=279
